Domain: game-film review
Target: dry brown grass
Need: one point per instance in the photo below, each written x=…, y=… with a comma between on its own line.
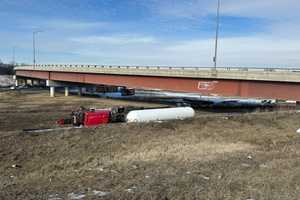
x=184, y=151
x=249, y=156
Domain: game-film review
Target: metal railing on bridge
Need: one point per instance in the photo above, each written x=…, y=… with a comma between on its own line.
x=245, y=69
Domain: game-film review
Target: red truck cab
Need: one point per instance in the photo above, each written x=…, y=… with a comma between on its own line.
x=96, y=117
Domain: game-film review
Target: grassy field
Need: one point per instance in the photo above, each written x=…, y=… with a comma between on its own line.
x=243, y=156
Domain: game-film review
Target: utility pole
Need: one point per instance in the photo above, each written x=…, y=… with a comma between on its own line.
x=217, y=36
x=13, y=56
x=34, y=33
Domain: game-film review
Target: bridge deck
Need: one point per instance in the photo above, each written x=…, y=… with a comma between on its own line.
x=256, y=74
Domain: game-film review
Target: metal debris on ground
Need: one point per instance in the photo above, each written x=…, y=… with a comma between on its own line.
x=131, y=190
x=45, y=130
x=74, y=196
x=54, y=197
x=100, y=193
x=245, y=165
x=205, y=177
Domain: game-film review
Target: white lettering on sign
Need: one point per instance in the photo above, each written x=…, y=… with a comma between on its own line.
x=207, y=85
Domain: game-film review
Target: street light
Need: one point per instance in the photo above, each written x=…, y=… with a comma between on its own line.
x=217, y=35
x=34, y=33
x=13, y=55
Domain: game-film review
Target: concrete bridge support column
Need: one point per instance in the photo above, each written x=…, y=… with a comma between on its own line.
x=52, y=85
x=17, y=83
x=81, y=90
x=29, y=82
x=35, y=82
x=52, y=91
x=66, y=91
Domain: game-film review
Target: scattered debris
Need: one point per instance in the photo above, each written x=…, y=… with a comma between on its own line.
x=134, y=166
x=205, y=177
x=74, y=196
x=263, y=166
x=100, y=169
x=131, y=190
x=100, y=193
x=16, y=166
x=44, y=130
x=245, y=165
x=54, y=197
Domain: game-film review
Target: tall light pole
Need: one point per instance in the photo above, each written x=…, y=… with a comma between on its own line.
x=14, y=56
x=34, y=33
x=217, y=35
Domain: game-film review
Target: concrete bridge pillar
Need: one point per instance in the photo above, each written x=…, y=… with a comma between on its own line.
x=52, y=91
x=35, y=82
x=81, y=90
x=17, y=83
x=29, y=82
x=66, y=91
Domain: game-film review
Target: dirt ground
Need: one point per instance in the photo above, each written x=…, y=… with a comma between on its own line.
x=244, y=156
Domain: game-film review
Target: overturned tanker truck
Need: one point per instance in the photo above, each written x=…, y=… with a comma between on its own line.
x=95, y=117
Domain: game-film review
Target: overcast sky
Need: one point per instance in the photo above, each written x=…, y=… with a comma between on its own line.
x=257, y=33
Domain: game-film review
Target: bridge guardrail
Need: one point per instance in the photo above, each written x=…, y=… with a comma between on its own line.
x=245, y=69
x=263, y=74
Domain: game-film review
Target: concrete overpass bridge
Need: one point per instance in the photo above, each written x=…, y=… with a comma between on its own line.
x=275, y=83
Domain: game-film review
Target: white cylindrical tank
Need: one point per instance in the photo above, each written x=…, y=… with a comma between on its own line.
x=160, y=114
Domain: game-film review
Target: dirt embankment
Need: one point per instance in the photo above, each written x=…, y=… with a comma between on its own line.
x=248, y=156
